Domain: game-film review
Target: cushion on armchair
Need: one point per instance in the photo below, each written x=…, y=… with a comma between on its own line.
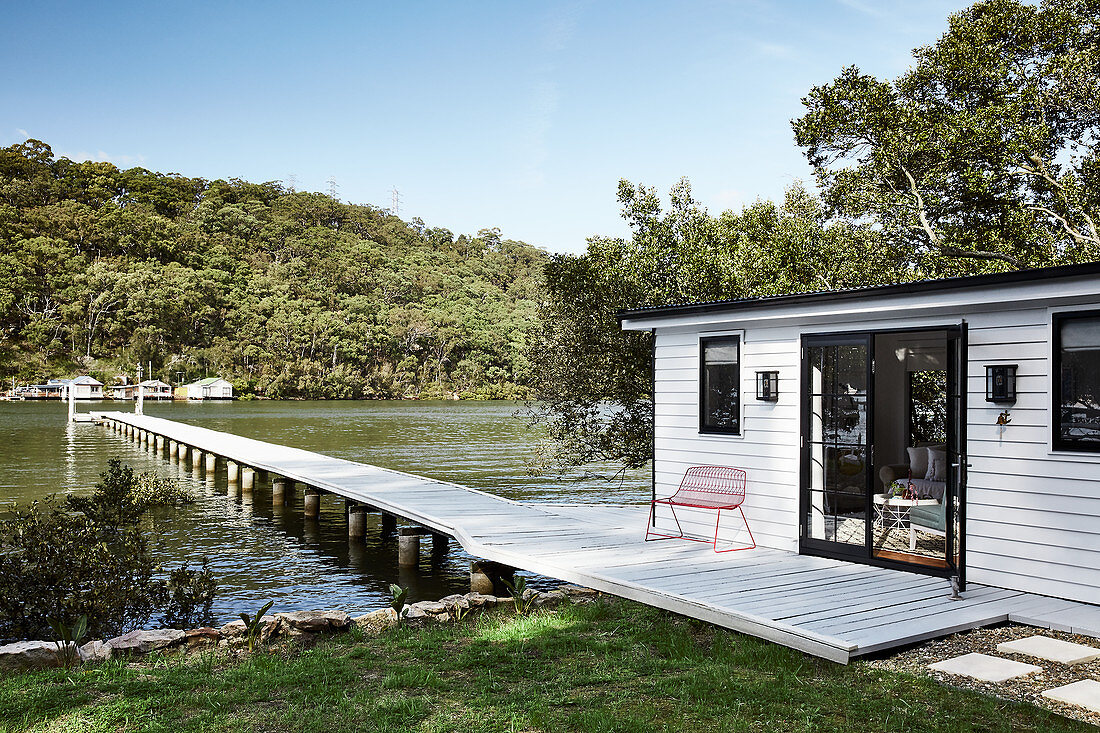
x=931, y=516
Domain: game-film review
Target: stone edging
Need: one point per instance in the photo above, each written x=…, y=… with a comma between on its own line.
x=23, y=655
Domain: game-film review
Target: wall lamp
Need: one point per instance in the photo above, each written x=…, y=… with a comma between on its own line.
x=767, y=386
x=1000, y=382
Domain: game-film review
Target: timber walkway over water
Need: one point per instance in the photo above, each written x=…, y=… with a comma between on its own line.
x=828, y=608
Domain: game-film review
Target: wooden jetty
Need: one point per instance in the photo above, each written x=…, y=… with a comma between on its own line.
x=824, y=607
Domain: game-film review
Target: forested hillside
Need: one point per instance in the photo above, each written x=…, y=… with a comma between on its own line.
x=288, y=294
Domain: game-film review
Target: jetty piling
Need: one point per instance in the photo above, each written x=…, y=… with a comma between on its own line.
x=233, y=470
x=280, y=488
x=408, y=547
x=248, y=480
x=357, y=522
x=311, y=505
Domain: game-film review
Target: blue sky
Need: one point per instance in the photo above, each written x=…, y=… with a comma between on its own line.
x=518, y=115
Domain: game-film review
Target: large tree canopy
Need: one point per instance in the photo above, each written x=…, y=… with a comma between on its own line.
x=983, y=151
x=593, y=381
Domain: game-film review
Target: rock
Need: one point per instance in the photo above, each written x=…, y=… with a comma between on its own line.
x=457, y=601
x=551, y=598
x=95, y=651
x=432, y=608
x=477, y=600
x=29, y=655
x=376, y=621
x=237, y=631
x=145, y=641
x=201, y=637
x=315, y=622
x=233, y=629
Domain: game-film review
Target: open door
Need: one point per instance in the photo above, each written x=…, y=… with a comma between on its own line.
x=883, y=469
x=955, y=510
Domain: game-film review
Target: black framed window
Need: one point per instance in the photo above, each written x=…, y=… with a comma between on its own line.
x=1077, y=381
x=720, y=385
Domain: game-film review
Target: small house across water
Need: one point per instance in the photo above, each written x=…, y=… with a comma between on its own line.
x=211, y=388
x=946, y=427
x=154, y=389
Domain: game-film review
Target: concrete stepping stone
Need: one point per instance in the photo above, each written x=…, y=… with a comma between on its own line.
x=1083, y=694
x=984, y=667
x=1054, y=650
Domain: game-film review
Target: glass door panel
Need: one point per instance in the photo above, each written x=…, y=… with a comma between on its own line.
x=836, y=444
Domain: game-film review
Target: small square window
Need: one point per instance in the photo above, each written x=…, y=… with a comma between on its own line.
x=720, y=385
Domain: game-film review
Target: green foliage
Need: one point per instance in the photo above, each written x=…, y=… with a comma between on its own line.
x=593, y=381
x=288, y=294
x=517, y=588
x=87, y=557
x=252, y=624
x=400, y=595
x=982, y=156
x=190, y=596
x=68, y=639
x=150, y=490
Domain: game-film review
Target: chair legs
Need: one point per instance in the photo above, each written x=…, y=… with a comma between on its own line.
x=651, y=535
x=733, y=549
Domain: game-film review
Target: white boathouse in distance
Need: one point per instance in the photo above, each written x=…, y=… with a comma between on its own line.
x=211, y=388
x=947, y=427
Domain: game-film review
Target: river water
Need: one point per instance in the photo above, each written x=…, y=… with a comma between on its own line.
x=259, y=552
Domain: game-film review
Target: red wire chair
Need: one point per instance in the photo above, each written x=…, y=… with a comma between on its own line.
x=704, y=487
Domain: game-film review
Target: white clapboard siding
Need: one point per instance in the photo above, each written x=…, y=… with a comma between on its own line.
x=1033, y=515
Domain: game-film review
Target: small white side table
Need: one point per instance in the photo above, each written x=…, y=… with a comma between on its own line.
x=893, y=513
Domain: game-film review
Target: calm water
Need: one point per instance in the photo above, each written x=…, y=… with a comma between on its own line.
x=260, y=552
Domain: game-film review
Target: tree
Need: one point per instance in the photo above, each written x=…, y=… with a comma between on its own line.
x=982, y=156
x=594, y=381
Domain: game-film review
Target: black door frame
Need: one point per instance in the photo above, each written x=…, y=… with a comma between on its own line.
x=957, y=391
x=806, y=544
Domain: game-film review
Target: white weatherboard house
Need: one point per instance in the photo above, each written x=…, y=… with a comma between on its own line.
x=211, y=388
x=946, y=427
x=84, y=387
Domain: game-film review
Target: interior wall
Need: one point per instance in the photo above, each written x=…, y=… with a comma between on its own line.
x=897, y=354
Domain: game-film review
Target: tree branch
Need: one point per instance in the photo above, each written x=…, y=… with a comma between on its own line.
x=1069, y=229
x=921, y=214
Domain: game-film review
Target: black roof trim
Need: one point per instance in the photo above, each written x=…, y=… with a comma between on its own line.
x=878, y=291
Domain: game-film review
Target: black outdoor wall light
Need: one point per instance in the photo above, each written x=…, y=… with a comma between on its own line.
x=1000, y=383
x=767, y=386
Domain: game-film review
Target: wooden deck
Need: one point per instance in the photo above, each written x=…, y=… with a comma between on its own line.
x=828, y=608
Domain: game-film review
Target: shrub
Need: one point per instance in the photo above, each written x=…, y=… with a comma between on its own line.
x=190, y=596
x=151, y=490
x=87, y=557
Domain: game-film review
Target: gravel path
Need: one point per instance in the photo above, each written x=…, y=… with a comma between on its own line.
x=1029, y=688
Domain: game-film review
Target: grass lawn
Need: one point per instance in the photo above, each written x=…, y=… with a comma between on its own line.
x=602, y=667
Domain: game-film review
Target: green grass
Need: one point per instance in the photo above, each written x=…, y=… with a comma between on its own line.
x=606, y=667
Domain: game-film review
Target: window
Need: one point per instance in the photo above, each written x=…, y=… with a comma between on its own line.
x=1077, y=382
x=720, y=385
